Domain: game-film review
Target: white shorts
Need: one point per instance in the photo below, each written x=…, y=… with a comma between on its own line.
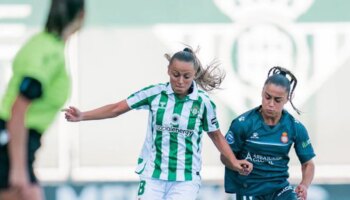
x=156, y=189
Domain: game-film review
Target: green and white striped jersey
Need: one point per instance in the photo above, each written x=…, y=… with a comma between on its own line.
x=173, y=145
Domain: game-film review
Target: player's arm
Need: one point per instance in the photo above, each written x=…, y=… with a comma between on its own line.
x=228, y=158
x=17, y=146
x=73, y=114
x=308, y=171
x=30, y=89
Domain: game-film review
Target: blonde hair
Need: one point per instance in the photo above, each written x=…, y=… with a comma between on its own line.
x=208, y=78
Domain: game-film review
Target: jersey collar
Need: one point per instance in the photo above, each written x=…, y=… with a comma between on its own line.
x=193, y=95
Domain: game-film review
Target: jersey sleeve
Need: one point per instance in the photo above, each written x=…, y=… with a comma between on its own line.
x=40, y=65
x=210, y=122
x=235, y=135
x=141, y=98
x=302, y=145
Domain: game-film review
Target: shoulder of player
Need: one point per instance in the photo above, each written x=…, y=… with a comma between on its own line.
x=298, y=125
x=205, y=98
x=157, y=88
x=246, y=119
x=203, y=94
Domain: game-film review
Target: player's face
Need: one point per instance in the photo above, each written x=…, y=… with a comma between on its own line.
x=273, y=99
x=181, y=75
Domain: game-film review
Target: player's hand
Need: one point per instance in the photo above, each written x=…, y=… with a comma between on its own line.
x=301, y=191
x=247, y=167
x=72, y=114
x=243, y=167
x=19, y=182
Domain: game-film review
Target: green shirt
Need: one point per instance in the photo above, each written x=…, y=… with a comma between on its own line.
x=41, y=58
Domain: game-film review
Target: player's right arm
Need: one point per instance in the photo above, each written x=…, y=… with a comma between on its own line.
x=73, y=114
x=234, y=138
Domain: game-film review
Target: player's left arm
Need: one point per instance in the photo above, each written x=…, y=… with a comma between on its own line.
x=305, y=153
x=308, y=171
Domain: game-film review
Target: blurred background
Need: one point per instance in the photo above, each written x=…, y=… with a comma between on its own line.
x=120, y=50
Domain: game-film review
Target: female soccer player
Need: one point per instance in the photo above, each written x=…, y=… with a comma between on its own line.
x=37, y=90
x=170, y=162
x=264, y=136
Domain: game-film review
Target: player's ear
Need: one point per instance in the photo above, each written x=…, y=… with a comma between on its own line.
x=262, y=92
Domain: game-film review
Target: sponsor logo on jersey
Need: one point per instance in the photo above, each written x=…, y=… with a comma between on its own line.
x=257, y=158
x=284, y=137
x=255, y=136
x=186, y=133
x=306, y=143
x=175, y=119
x=229, y=138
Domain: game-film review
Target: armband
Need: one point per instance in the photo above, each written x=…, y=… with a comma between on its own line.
x=30, y=88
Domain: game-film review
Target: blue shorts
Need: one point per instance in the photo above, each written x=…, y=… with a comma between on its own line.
x=286, y=193
x=33, y=145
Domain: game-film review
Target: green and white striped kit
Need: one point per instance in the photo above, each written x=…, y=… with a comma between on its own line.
x=173, y=144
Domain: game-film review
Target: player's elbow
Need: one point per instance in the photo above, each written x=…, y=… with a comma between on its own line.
x=223, y=159
x=119, y=108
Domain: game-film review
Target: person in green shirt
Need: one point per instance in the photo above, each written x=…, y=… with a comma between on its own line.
x=37, y=90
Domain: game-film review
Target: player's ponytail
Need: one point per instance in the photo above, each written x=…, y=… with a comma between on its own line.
x=285, y=78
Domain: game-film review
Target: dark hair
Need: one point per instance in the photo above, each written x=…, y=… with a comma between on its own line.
x=278, y=76
x=62, y=12
x=208, y=79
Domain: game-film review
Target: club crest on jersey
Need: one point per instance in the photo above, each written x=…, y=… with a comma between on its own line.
x=175, y=119
x=194, y=110
x=284, y=137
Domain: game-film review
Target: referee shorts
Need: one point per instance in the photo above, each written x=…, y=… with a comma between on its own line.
x=33, y=145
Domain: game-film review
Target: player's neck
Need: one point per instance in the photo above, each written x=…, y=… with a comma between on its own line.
x=271, y=120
